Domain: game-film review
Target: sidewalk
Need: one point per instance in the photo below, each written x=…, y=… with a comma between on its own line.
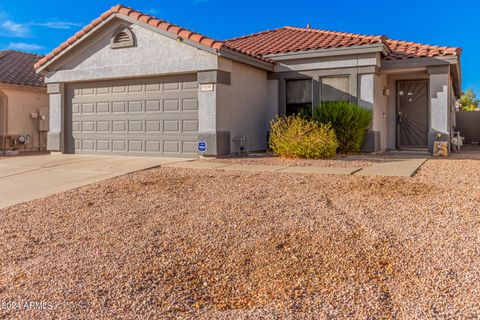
x=400, y=168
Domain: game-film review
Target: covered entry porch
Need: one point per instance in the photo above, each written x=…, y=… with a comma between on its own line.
x=420, y=106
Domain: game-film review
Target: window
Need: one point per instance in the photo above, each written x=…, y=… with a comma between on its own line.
x=299, y=97
x=122, y=38
x=335, y=88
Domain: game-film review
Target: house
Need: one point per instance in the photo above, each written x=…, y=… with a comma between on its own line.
x=23, y=103
x=129, y=83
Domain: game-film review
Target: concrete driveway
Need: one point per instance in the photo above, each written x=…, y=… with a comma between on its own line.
x=32, y=177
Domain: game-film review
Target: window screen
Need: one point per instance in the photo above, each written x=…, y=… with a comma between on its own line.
x=335, y=89
x=299, y=96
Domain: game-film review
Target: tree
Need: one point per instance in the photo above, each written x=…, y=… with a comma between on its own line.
x=469, y=102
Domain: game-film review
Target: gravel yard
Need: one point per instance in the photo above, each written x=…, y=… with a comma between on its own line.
x=351, y=161
x=201, y=244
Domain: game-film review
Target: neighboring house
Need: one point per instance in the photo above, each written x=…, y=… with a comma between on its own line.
x=23, y=103
x=129, y=83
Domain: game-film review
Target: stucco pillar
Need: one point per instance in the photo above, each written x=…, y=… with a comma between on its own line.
x=439, y=104
x=210, y=82
x=55, y=139
x=366, y=99
x=273, y=108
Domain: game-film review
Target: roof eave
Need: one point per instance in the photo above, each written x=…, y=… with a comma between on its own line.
x=23, y=86
x=419, y=62
x=318, y=53
x=245, y=58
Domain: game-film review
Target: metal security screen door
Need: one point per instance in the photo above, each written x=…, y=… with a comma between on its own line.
x=412, y=114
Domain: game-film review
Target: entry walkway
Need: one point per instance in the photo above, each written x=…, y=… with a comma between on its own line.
x=397, y=168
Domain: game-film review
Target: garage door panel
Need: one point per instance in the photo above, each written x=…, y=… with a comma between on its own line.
x=76, y=126
x=138, y=116
x=170, y=105
x=190, y=85
x=88, y=91
x=118, y=107
x=118, y=89
x=135, y=126
x=172, y=86
x=142, y=117
x=119, y=145
x=103, y=126
x=153, y=105
x=152, y=87
x=135, y=106
x=88, y=126
x=153, y=146
x=103, y=107
x=88, y=144
x=119, y=126
x=103, y=145
x=153, y=126
x=87, y=108
x=190, y=125
x=103, y=90
x=189, y=104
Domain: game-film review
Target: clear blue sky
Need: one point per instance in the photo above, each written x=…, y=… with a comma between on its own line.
x=39, y=26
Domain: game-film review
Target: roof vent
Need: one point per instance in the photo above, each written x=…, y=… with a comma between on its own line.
x=122, y=38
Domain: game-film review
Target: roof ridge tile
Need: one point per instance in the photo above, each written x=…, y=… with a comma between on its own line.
x=337, y=33
x=254, y=34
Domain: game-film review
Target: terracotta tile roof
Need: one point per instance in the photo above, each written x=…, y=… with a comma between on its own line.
x=129, y=12
x=406, y=50
x=292, y=39
x=282, y=40
x=17, y=68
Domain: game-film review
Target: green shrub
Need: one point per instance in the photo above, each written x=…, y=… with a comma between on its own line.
x=297, y=137
x=349, y=121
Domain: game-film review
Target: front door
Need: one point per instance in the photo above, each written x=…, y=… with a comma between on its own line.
x=412, y=114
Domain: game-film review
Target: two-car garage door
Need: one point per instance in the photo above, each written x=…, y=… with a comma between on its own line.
x=152, y=116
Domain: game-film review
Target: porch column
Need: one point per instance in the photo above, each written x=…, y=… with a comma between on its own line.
x=366, y=99
x=209, y=85
x=55, y=140
x=439, y=104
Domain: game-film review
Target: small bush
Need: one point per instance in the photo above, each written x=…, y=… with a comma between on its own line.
x=349, y=121
x=297, y=137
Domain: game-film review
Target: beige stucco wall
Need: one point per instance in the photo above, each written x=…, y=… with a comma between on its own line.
x=242, y=106
x=20, y=103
